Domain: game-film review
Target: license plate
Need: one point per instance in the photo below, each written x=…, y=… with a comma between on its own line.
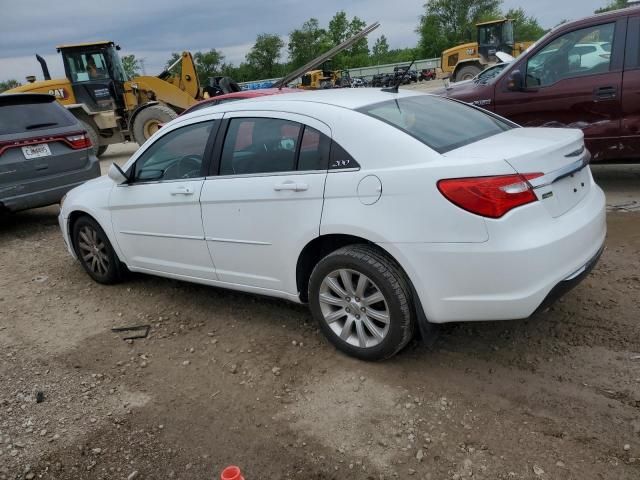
x=36, y=151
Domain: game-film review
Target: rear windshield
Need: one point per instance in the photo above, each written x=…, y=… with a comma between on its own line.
x=31, y=117
x=437, y=122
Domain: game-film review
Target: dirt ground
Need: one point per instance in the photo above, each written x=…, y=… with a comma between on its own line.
x=228, y=378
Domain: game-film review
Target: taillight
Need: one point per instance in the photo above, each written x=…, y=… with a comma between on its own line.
x=79, y=141
x=490, y=197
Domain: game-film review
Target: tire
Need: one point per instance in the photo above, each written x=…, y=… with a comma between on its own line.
x=101, y=150
x=87, y=233
x=385, y=284
x=147, y=121
x=467, y=73
x=93, y=136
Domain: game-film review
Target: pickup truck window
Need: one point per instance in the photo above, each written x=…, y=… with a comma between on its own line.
x=586, y=51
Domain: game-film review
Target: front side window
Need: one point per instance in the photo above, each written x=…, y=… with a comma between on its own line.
x=439, y=123
x=582, y=52
x=177, y=155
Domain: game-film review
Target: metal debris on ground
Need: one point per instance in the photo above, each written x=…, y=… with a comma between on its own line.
x=138, y=328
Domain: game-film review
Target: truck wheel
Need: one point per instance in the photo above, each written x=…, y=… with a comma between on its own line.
x=468, y=72
x=93, y=136
x=148, y=121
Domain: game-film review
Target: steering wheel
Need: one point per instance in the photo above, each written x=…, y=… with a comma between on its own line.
x=189, y=166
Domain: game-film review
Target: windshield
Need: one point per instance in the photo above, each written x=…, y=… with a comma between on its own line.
x=28, y=117
x=439, y=123
x=116, y=64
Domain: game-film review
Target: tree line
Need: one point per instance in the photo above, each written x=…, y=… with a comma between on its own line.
x=442, y=24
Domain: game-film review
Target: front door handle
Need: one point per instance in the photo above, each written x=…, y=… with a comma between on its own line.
x=182, y=190
x=292, y=186
x=605, y=93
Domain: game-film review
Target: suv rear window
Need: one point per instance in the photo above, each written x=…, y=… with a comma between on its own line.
x=30, y=117
x=439, y=123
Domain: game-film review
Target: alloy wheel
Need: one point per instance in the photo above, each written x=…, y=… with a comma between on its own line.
x=354, y=308
x=93, y=250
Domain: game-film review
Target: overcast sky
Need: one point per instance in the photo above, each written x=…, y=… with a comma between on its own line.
x=153, y=29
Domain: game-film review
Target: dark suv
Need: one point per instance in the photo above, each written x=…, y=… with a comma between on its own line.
x=44, y=152
x=583, y=74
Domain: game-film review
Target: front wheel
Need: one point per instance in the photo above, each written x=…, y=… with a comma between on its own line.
x=93, y=249
x=149, y=121
x=362, y=302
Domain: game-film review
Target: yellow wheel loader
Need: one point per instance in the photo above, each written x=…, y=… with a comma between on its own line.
x=465, y=61
x=112, y=107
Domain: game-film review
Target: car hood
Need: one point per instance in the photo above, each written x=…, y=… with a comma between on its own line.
x=464, y=87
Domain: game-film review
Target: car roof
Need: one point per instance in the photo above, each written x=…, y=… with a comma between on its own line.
x=24, y=98
x=350, y=98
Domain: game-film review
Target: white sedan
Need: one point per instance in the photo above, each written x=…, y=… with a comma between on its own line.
x=383, y=211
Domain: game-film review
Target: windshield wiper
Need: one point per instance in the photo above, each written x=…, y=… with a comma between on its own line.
x=40, y=125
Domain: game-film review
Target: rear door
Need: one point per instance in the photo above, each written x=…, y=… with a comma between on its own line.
x=39, y=141
x=263, y=202
x=630, y=146
x=567, y=86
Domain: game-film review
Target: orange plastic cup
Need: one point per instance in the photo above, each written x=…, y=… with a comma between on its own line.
x=231, y=473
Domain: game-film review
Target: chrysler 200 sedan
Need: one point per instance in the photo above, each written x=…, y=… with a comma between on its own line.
x=383, y=211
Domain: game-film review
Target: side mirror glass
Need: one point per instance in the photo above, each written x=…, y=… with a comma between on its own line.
x=516, y=81
x=117, y=175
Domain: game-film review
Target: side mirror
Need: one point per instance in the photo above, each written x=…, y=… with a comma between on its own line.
x=516, y=81
x=117, y=175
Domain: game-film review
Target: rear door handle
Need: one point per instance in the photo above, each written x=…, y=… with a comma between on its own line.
x=182, y=190
x=605, y=93
x=292, y=186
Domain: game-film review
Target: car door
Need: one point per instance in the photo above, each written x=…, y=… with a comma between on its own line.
x=631, y=92
x=563, y=89
x=263, y=202
x=156, y=216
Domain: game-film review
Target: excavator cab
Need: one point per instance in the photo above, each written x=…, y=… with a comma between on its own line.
x=495, y=36
x=96, y=74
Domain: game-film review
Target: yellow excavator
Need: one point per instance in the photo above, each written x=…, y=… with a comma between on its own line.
x=465, y=61
x=325, y=77
x=112, y=107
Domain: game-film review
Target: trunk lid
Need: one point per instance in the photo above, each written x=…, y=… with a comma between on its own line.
x=558, y=154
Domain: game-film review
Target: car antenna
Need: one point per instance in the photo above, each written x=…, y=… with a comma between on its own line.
x=394, y=89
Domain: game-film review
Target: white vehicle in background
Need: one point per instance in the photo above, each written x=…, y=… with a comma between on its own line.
x=590, y=55
x=383, y=211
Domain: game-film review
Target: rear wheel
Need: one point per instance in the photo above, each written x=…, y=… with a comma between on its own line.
x=93, y=249
x=362, y=302
x=468, y=72
x=149, y=120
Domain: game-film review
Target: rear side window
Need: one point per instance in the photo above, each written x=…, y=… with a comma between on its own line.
x=437, y=122
x=31, y=117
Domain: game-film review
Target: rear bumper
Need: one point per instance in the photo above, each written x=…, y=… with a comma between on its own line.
x=47, y=190
x=529, y=260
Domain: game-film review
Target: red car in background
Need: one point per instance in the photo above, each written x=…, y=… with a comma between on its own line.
x=232, y=97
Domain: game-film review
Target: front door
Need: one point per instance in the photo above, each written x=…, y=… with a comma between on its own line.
x=263, y=202
x=574, y=81
x=156, y=217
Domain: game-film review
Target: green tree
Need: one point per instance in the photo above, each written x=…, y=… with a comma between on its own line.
x=9, y=84
x=613, y=5
x=525, y=28
x=208, y=64
x=131, y=65
x=264, y=55
x=447, y=23
x=307, y=42
x=380, y=50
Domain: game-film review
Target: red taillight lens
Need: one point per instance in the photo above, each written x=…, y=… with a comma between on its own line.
x=489, y=196
x=79, y=141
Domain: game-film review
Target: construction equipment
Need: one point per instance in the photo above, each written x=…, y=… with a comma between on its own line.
x=465, y=61
x=325, y=78
x=322, y=59
x=112, y=107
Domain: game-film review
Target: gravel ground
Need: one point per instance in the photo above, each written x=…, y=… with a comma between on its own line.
x=228, y=378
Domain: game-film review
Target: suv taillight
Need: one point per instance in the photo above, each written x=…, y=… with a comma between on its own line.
x=490, y=197
x=79, y=141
